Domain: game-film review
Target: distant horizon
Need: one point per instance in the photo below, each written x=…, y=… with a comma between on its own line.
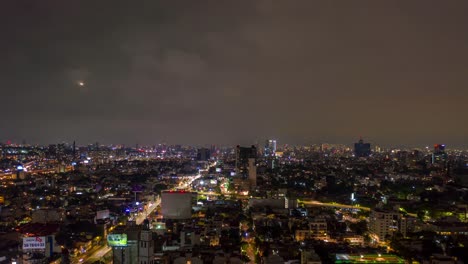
x=279, y=143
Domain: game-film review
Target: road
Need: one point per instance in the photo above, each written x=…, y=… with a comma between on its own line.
x=186, y=184
x=250, y=252
x=337, y=205
x=96, y=255
x=141, y=217
x=317, y=203
x=100, y=252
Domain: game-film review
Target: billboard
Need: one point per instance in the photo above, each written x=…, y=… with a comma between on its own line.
x=34, y=242
x=117, y=240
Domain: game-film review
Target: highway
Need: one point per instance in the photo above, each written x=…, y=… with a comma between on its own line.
x=337, y=205
x=317, y=203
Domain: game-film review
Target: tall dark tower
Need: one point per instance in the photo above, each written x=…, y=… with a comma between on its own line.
x=243, y=154
x=439, y=155
x=362, y=149
x=203, y=154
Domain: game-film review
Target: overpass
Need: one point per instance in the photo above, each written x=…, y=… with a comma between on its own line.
x=337, y=205
x=332, y=204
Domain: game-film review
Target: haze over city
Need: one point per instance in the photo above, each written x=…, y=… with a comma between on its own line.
x=229, y=72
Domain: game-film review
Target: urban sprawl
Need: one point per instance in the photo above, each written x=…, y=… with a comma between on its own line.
x=265, y=203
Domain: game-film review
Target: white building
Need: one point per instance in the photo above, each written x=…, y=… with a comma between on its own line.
x=146, y=247
x=384, y=222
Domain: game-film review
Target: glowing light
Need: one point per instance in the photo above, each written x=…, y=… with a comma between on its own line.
x=81, y=83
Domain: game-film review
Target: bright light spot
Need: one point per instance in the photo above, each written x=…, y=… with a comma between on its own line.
x=81, y=84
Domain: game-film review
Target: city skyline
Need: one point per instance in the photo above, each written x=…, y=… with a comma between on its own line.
x=228, y=73
x=375, y=146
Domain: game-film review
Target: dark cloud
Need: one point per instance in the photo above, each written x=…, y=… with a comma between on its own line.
x=234, y=71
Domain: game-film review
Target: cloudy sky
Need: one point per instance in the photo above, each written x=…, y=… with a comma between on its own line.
x=228, y=72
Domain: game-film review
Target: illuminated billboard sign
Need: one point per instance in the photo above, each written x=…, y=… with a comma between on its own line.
x=117, y=240
x=34, y=242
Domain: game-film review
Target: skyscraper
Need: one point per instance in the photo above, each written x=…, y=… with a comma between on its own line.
x=203, y=154
x=439, y=148
x=252, y=173
x=362, y=149
x=270, y=148
x=243, y=154
x=146, y=247
x=439, y=156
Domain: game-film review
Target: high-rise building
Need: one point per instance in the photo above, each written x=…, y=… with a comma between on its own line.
x=213, y=150
x=270, y=148
x=362, y=149
x=61, y=151
x=146, y=247
x=132, y=244
x=386, y=222
x=439, y=148
x=203, y=154
x=252, y=173
x=243, y=154
x=124, y=246
x=439, y=156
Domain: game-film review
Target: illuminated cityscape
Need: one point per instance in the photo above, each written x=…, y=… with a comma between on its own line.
x=68, y=203
x=233, y=132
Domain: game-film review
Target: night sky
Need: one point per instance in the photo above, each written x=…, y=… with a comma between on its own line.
x=229, y=72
